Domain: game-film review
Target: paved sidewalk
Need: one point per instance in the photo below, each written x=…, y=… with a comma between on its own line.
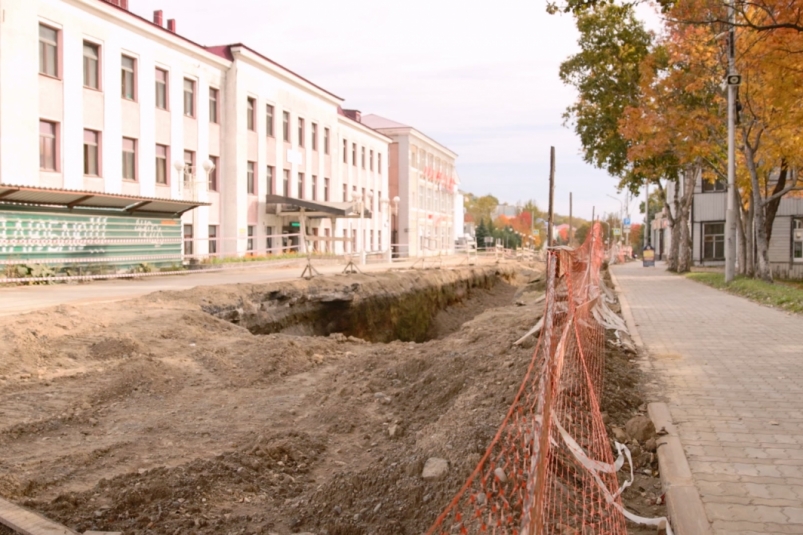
x=733, y=374
x=21, y=299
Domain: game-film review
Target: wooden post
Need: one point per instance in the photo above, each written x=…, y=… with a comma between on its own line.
x=551, y=195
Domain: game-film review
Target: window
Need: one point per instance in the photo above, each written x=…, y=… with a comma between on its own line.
x=269, y=176
x=269, y=120
x=300, y=132
x=286, y=183
x=251, y=180
x=314, y=135
x=326, y=189
x=269, y=238
x=91, y=153
x=717, y=185
x=189, y=98
x=129, y=158
x=797, y=240
x=212, y=239
x=129, y=70
x=345, y=193
x=189, y=162
x=214, y=95
x=249, y=246
x=379, y=162
x=47, y=145
x=362, y=157
x=371, y=161
x=251, y=118
x=354, y=154
x=213, y=173
x=161, y=89
x=314, y=188
x=187, y=239
x=326, y=141
x=48, y=51
x=161, y=164
x=713, y=241
x=285, y=126
x=300, y=185
x=345, y=151
x=91, y=65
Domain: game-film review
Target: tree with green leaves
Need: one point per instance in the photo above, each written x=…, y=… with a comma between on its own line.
x=606, y=74
x=481, y=234
x=480, y=207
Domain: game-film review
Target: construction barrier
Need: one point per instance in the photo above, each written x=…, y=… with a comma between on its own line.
x=550, y=468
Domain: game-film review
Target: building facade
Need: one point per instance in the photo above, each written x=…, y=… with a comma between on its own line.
x=707, y=221
x=423, y=176
x=95, y=98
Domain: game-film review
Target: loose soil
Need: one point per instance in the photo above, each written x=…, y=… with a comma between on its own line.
x=160, y=415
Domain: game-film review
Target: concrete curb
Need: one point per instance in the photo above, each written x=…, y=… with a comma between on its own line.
x=683, y=503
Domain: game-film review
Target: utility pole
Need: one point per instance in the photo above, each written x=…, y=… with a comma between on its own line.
x=551, y=195
x=730, y=214
x=571, y=234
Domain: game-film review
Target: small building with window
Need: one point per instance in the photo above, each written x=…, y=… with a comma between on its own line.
x=707, y=220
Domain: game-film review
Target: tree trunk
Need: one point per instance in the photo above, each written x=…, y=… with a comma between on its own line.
x=685, y=242
x=742, y=248
x=772, y=206
x=750, y=269
x=674, y=241
x=763, y=271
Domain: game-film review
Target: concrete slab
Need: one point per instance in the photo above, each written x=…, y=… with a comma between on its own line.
x=27, y=522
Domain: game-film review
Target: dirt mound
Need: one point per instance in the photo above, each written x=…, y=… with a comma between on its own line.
x=159, y=417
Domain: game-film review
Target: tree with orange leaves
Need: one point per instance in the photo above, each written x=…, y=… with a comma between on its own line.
x=675, y=131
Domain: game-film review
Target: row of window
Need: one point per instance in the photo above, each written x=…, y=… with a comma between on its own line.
x=434, y=200
x=714, y=241
x=49, y=65
x=362, y=156
x=49, y=160
x=420, y=159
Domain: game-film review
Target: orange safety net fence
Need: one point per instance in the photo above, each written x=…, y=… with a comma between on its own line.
x=549, y=469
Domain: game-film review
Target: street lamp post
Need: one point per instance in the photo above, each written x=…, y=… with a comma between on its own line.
x=394, y=210
x=730, y=214
x=621, y=210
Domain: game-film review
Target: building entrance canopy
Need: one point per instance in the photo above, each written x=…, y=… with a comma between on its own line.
x=289, y=206
x=127, y=204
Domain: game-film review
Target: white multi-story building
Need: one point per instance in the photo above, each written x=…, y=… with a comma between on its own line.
x=423, y=176
x=98, y=100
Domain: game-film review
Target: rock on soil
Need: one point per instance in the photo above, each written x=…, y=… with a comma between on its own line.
x=435, y=468
x=640, y=428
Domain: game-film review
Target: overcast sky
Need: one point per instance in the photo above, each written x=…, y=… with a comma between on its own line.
x=480, y=77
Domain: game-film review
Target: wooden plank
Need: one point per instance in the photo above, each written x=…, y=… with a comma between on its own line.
x=29, y=523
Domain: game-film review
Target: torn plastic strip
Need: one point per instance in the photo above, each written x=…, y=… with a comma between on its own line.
x=595, y=467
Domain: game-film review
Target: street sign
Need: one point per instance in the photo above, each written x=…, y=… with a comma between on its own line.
x=536, y=232
x=734, y=79
x=626, y=222
x=627, y=226
x=617, y=232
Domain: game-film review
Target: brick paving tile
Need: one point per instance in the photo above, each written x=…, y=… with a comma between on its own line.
x=731, y=372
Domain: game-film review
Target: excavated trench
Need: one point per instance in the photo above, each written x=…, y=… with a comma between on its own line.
x=405, y=305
